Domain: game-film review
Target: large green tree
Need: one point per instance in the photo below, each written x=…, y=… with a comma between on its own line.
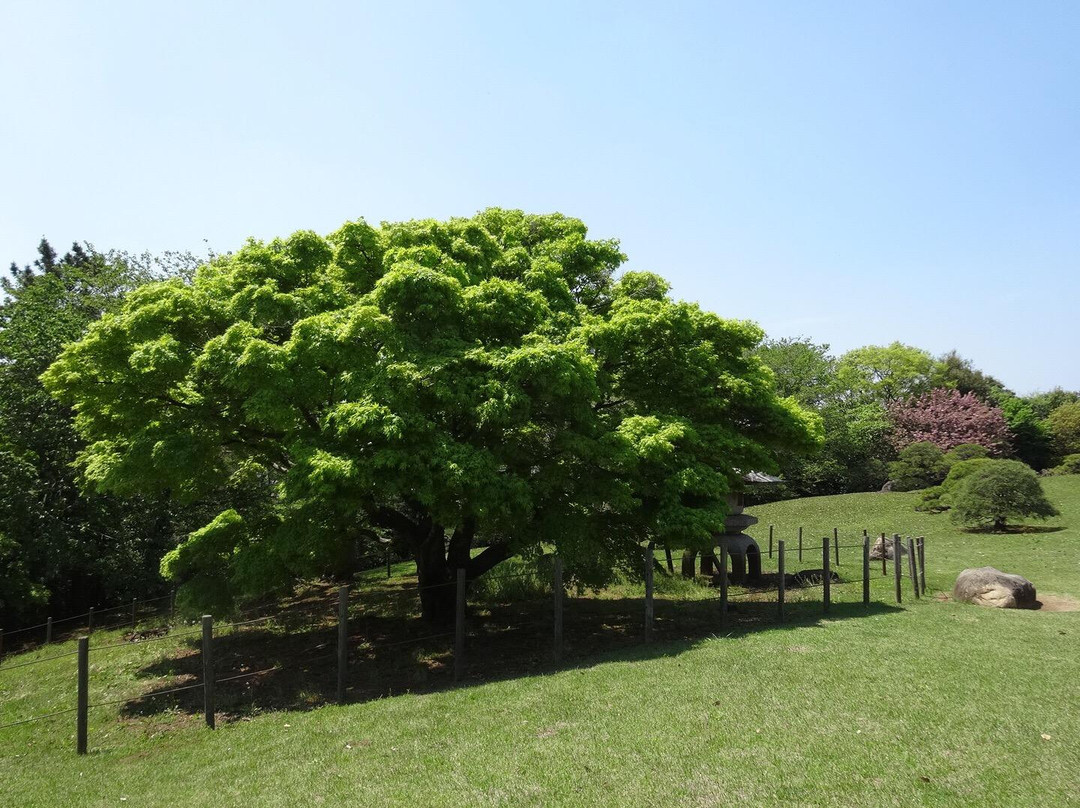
x=479, y=381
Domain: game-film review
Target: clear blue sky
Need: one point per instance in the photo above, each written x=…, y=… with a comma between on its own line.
x=854, y=172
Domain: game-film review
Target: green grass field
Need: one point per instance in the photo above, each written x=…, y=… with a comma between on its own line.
x=934, y=703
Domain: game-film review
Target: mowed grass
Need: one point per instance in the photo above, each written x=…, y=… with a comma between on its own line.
x=934, y=703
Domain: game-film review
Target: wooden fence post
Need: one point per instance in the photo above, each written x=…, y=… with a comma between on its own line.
x=723, y=583
x=90, y=621
x=770, y=540
x=836, y=545
x=865, y=569
x=896, y=566
x=557, y=598
x=800, y=545
x=83, y=703
x=826, y=595
x=922, y=564
x=388, y=562
x=459, y=628
x=649, y=604
x=48, y=630
x=911, y=566
x=670, y=561
x=780, y=578
x=342, y=641
x=208, y=669
x=884, y=556
x=134, y=608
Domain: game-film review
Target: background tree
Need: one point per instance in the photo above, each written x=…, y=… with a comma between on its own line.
x=443, y=383
x=855, y=451
x=960, y=374
x=804, y=370
x=997, y=491
x=886, y=374
x=1064, y=427
x=60, y=545
x=1045, y=403
x=948, y=418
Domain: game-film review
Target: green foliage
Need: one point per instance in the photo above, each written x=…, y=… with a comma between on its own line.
x=440, y=383
x=965, y=451
x=855, y=450
x=1064, y=425
x=1028, y=433
x=919, y=465
x=1042, y=404
x=1069, y=465
x=73, y=549
x=804, y=370
x=960, y=374
x=997, y=491
x=886, y=374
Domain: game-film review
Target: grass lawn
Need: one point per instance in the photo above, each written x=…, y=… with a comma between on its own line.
x=933, y=703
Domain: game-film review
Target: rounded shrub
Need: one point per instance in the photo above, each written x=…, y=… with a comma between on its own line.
x=919, y=465
x=996, y=491
x=1070, y=465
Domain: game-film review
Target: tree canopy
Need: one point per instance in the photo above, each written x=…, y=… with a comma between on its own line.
x=948, y=419
x=480, y=381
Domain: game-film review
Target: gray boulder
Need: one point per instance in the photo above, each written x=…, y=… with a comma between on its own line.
x=883, y=549
x=986, y=586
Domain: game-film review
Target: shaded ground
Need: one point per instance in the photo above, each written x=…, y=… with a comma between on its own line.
x=290, y=662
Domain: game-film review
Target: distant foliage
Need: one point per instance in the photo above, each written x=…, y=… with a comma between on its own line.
x=888, y=373
x=965, y=451
x=997, y=491
x=920, y=465
x=1064, y=423
x=1070, y=465
x=1028, y=433
x=948, y=418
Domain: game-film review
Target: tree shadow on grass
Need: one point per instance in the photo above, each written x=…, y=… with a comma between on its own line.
x=1012, y=530
x=292, y=665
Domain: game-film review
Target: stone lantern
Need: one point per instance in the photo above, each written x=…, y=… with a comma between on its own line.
x=743, y=551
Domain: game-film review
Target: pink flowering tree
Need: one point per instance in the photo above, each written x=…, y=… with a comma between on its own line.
x=947, y=419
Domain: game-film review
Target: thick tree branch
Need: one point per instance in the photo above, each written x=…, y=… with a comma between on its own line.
x=492, y=554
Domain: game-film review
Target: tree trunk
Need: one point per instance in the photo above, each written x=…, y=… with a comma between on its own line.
x=709, y=564
x=688, y=557
x=435, y=579
x=437, y=563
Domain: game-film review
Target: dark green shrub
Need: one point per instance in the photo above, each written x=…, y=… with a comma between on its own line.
x=1070, y=465
x=931, y=499
x=919, y=465
x=965, y=451
x=996, y=491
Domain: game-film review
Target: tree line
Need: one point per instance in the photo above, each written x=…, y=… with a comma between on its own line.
x=875, y=401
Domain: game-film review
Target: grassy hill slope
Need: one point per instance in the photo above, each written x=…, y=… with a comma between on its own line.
x=935, y=704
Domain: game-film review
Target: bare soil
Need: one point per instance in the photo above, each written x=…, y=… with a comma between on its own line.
x=1058, y=603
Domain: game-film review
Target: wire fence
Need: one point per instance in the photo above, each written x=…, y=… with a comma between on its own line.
x=778, y=587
